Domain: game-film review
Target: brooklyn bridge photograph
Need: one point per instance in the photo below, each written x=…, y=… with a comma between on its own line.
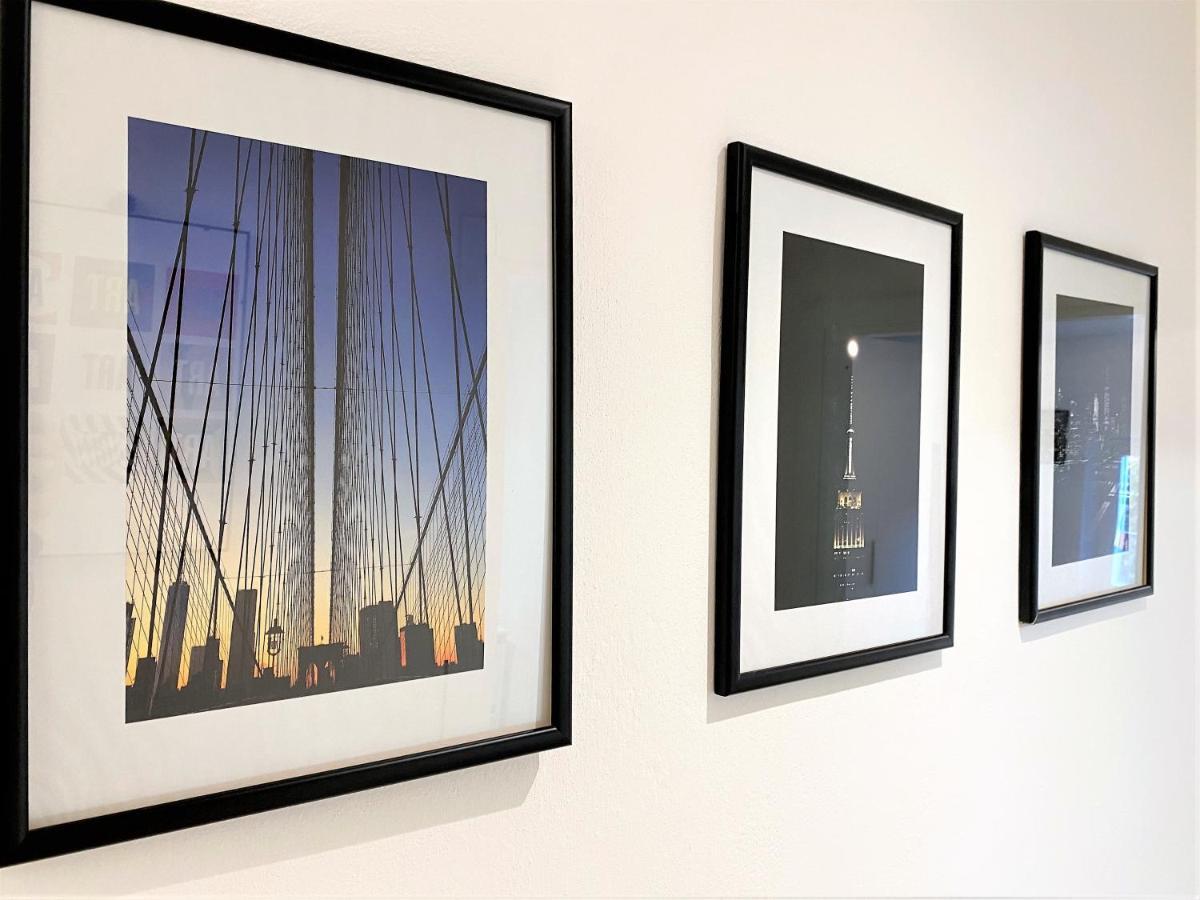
x=306, y=422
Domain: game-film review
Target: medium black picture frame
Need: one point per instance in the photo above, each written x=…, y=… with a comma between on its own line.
x=19, y=843
x=741, y=160
x=1036, y=245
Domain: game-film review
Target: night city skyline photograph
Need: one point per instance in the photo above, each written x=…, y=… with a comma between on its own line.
x=1095, y=481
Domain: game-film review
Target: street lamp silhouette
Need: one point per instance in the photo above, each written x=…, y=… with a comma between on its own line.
x=274, y=640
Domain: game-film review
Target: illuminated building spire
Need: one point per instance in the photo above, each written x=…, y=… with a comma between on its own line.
x=852, y=352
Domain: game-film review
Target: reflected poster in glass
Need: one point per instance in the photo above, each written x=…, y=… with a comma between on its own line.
x=296, y=337
x=839, y=368
x=1087, y=428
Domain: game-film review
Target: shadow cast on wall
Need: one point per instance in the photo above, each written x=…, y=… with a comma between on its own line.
x=1051, y=627
x=285, y=834
x=722, y=708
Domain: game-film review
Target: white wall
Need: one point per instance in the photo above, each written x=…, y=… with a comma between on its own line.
x=1049, y=760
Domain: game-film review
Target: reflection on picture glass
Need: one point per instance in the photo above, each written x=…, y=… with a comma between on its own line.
x=1095, y=478
x=848, y=470
x=306, y=422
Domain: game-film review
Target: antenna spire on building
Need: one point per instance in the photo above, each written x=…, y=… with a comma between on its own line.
x=852, y=352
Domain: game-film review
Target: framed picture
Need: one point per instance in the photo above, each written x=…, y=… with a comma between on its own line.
x=839, y=380
x=1087, y=428
x=292, y=336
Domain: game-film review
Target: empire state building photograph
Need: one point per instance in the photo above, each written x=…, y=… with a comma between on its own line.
x=848, y=468
x=838, y=425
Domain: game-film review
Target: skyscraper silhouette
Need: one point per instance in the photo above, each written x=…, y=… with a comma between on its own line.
x=378, y=642
x=241, y=642
x=174, y=620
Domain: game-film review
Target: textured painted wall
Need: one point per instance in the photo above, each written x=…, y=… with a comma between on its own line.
x=1050, y=760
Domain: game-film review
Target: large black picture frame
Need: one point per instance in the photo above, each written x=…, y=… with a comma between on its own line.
x=1036, y=245
x=741, y=160
x=19, y=843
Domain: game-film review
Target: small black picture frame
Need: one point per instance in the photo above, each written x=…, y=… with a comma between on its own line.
x=1033, y=347
x=729, y=676
x=18, y=842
